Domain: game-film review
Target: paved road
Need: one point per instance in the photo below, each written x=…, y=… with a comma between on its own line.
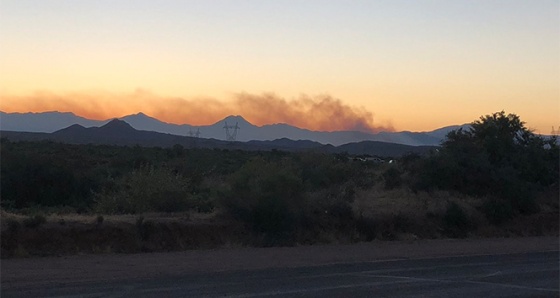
x=533, y=274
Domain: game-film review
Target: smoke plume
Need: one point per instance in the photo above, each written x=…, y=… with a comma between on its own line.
x=322, y=112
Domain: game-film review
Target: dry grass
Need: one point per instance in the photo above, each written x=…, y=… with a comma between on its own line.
x=398, y=214
x=401, y=214
x=74, y=233
x=378, y=202
x=69, y=218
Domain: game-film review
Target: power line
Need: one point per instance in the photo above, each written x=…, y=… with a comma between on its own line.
x=231, y=135
x=555, y=132
x=195, y=134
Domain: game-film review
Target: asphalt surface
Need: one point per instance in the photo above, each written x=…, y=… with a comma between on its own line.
x=534, y=274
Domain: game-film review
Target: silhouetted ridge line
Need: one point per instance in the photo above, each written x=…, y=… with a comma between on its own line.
x=54, y=121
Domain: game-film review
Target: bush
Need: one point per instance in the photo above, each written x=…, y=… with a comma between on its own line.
x=497, y=211
x=13, y=225
x=146, y=189
x=392, y=177
x=366, y=228
x=203, y=202
x=99, y=219
x=456, y=221
x=268, y=196
x=34, y=221
x=145, y=228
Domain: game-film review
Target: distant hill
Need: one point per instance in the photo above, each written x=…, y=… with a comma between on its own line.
x=43, y=122
x=53, y=121
x=119, y=132
x=382, y=149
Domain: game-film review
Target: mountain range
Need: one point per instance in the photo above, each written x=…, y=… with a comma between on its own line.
x=119, y=132
x=49, y=122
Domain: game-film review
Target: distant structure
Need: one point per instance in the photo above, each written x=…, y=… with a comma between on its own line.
x=195, y=134
x=555, y=132
x=231, y=131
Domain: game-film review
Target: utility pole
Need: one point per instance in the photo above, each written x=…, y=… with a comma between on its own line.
x=195, y=134
x=231, y=131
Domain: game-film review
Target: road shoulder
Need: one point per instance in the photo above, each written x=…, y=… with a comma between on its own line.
x=87, y=268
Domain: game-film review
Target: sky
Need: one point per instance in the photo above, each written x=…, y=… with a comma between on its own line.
x=326, y=65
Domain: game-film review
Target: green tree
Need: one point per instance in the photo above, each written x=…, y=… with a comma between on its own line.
x=267, y=195
x=498, y=134
x=497, y=157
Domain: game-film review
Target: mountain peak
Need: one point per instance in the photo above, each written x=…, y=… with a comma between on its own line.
x=232, y=119
x=76, y=126
x=72, y=129
x=139, y=115
x=140, y=119
x=142, y=115
x=117, y=125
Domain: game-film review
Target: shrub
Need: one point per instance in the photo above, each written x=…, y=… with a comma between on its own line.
x=497, y=211
x=392, y=177
x=34, y=221
x=268, y=196
x=366, y=228
x=13, y=225
x=456, y=221
x=203, y=202
x=144, y=228
x=146, y=189
x=401, y=222
x=99, y=219
x=139, y=221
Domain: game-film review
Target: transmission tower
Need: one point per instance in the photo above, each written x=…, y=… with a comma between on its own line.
x=231, y=135
x=195, y=134
x=555, y=132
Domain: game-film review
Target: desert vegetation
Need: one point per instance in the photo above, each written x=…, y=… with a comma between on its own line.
x=495, y=179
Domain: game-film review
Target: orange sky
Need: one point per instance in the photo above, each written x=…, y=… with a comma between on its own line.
x=332, y=65
x=317, y=113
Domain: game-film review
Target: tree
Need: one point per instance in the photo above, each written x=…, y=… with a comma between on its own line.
x=497, y=157
x=500, y=135
x=267, y=195
x=507, y=143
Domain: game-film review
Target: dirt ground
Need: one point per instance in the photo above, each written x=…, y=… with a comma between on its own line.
x=105, y=267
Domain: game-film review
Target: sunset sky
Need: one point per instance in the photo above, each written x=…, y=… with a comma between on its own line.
x=329, y=65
